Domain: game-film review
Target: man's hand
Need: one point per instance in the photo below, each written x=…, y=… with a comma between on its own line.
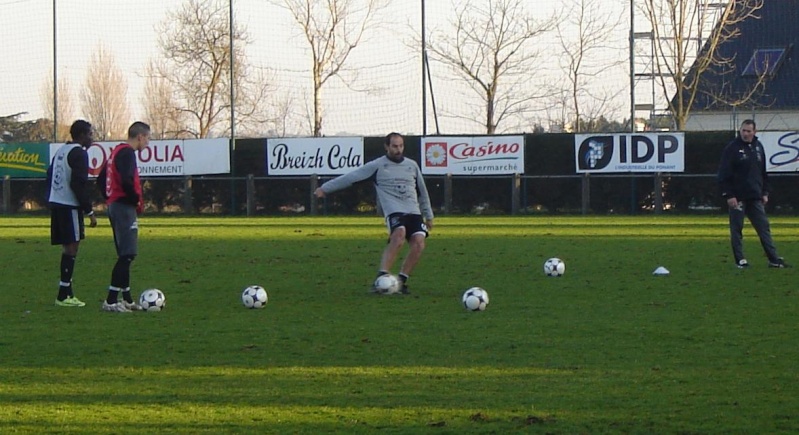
x=429, y=224
x=765, y=199
x=319, y=193
x=733, y=202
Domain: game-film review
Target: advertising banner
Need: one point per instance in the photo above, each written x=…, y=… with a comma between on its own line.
x=313, y=155
x=167, y=158
x=782, y=150
x=24, y=160
x=479, y=155
x=633, y=152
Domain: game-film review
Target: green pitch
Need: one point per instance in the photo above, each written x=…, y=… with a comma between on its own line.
x=607, y=348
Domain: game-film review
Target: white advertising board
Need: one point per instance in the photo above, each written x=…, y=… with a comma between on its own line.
x=167, y=158
x=633, y=152
x=782, y=150
x=478, y=155
x=313, y=155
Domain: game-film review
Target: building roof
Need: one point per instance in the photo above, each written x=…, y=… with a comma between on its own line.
x=766, y=48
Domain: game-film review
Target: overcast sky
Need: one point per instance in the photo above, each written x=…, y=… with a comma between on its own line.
x=384, y=64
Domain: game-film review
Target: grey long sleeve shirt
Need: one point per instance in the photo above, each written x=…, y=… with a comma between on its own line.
x=400, y=186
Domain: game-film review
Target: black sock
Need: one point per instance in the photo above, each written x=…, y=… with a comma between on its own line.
x=120, y=276
x=381, y=273
x=65, y=286
x=64, y=291
x=113, y=295
x=126, y=295
x=120, y=279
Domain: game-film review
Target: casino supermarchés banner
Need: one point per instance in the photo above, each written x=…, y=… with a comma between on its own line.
x=473, y=155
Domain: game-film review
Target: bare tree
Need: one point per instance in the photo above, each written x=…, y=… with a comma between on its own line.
x=161, y=107
x=586, y=39
x=253, y=90
x=677, y=28
x=287, y=120
x=558, y=115
x=104, y=98
x=195, y=46
x=492, y=47
x=333, y=29
x=64, y=104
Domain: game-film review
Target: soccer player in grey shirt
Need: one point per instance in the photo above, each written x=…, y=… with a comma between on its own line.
x=402, y=195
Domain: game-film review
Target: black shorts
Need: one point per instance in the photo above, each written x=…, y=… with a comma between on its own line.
x=66, y=225
x=413, y=224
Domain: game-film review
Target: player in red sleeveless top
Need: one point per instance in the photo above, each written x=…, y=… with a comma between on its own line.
x=120, y=184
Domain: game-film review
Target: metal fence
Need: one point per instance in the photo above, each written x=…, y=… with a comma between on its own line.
x=498, y=195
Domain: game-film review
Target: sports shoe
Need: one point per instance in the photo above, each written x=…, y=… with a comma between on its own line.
x=743, y=264
x=115, y=308
x=70, y=302
x=778, y=263
x=77, y=301
x=405, y=290
x=131, y=306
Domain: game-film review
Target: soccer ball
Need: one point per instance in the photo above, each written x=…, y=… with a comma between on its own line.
x=387, y=284
x=554, y=267
x=152, y=300
x=475, y=299
x=254, y=296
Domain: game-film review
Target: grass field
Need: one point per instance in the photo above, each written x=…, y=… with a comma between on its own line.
x=607, y=348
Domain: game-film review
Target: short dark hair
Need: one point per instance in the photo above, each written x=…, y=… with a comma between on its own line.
x=79, y=128
x=390, y=135
x=749, y=122
x=138, y=128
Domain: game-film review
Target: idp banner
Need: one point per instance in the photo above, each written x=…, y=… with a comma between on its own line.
x=479, y=155
x=168, y=158
x=24, y=160
x=634, y=152
x=313, y=155
x=782, y=150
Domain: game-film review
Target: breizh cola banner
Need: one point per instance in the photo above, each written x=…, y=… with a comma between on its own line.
x=633, y=152
x=313, y=155
x=167, y=158
x=473, y=155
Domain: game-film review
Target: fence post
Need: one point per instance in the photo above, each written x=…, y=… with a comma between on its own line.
x=448, y=194
x=314, y=185
x=586, y=194
x=7, y=194
x=188, y=207
x=250, y=195
x=514, y=203
x=658, y=193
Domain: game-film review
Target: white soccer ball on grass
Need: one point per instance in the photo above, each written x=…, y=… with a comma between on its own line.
x=554, y=267
x=254, y=296
x=475, y=299
x=387, y=284
x=152, y=300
